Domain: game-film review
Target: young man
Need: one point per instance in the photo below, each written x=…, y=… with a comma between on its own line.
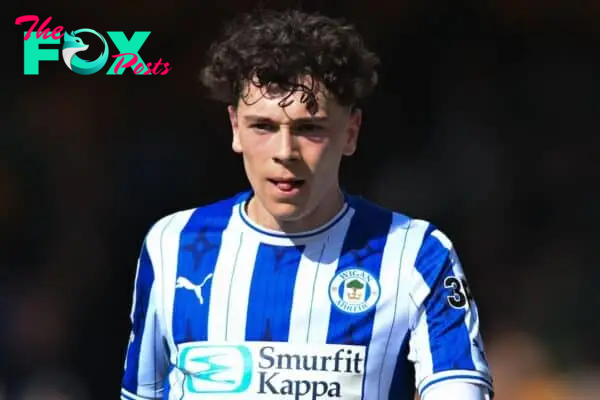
x=296, y=289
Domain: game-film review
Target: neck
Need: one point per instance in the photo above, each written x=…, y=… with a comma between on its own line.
x=331, y=205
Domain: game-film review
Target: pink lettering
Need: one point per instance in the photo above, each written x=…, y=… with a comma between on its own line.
x=28, y=18
x=56, y=31
x=130, y=63
x=43, y=31
x=155, y=70
x=167, y=69
x=138, y=68
x=148, y=71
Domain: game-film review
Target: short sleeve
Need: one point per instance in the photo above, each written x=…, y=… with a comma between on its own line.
x=445, y=341
x=452, y=390
x=146, y=360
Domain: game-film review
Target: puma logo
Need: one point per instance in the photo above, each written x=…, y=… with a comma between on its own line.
x=184, y=283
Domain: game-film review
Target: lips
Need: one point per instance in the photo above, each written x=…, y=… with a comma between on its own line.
x=287, y=185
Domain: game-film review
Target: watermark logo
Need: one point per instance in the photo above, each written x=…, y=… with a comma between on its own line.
x=128, y=50
x=74, y=45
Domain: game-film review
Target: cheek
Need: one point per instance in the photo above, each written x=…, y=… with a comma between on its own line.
x=255, y=152
x=252, y=143
x=252, y=168
x=320, y=156
x=251, y=160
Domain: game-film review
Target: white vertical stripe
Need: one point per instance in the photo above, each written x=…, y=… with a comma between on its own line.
x=302, y=301
x=151, y=363
x=385, y=318
x=135, y=285
x=154, y=246
x=241, y=279
x=311, y=307
x=172, y=379
x=165, y=243
x=175, y=385
x=392, y=318
x=420, y=350
x=131, y=314
x=318, y=323
x=221, y=280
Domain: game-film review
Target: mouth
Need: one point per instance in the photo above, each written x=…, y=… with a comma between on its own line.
x=287, y=185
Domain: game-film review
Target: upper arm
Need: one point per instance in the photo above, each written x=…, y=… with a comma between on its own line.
x=445, y=342
x=146, y=359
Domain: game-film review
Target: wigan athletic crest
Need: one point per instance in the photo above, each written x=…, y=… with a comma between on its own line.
x=354, y=291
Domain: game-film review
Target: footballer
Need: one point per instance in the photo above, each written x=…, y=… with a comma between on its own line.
x=297, y=289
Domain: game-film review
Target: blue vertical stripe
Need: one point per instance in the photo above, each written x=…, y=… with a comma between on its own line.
x=362, y=248
x=143, y=286
x=199, y=247
x=403, y=381
x=449, y=340
x=272, y=292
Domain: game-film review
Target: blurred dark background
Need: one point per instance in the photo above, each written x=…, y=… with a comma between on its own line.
x=485, y=122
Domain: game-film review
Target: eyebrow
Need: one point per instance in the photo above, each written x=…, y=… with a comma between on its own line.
x=258, y=118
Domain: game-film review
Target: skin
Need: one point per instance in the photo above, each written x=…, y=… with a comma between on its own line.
x=289, y=142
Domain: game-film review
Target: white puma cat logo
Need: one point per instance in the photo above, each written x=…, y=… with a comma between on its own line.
x=184, y=283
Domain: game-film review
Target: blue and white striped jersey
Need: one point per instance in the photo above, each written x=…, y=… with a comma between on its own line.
x=374, y=305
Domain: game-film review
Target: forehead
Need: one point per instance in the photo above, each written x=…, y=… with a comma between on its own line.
x=280, y=104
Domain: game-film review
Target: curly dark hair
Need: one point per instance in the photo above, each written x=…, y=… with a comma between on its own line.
x=278, y=49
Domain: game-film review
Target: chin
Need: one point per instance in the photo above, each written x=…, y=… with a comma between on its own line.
x=287, y=211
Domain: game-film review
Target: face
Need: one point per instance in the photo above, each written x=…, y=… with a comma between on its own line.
x=291, y=156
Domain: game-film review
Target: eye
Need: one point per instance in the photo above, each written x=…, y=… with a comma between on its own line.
x=308, y=128
x=264, y=127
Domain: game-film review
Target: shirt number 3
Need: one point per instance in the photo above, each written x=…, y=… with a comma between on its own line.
x=461, y=294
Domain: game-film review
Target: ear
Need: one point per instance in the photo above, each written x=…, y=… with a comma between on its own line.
x=352, y=131
x=233, y=120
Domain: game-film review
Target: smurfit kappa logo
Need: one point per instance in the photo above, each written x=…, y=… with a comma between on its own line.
x=128, y=50
x=216, y=369
x=269, y=371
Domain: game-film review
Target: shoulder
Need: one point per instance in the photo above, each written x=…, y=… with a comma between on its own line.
x=424, y=251
x=209, y=218
x=421, y=233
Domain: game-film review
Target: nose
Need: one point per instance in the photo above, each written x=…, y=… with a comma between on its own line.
x=286, y=146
